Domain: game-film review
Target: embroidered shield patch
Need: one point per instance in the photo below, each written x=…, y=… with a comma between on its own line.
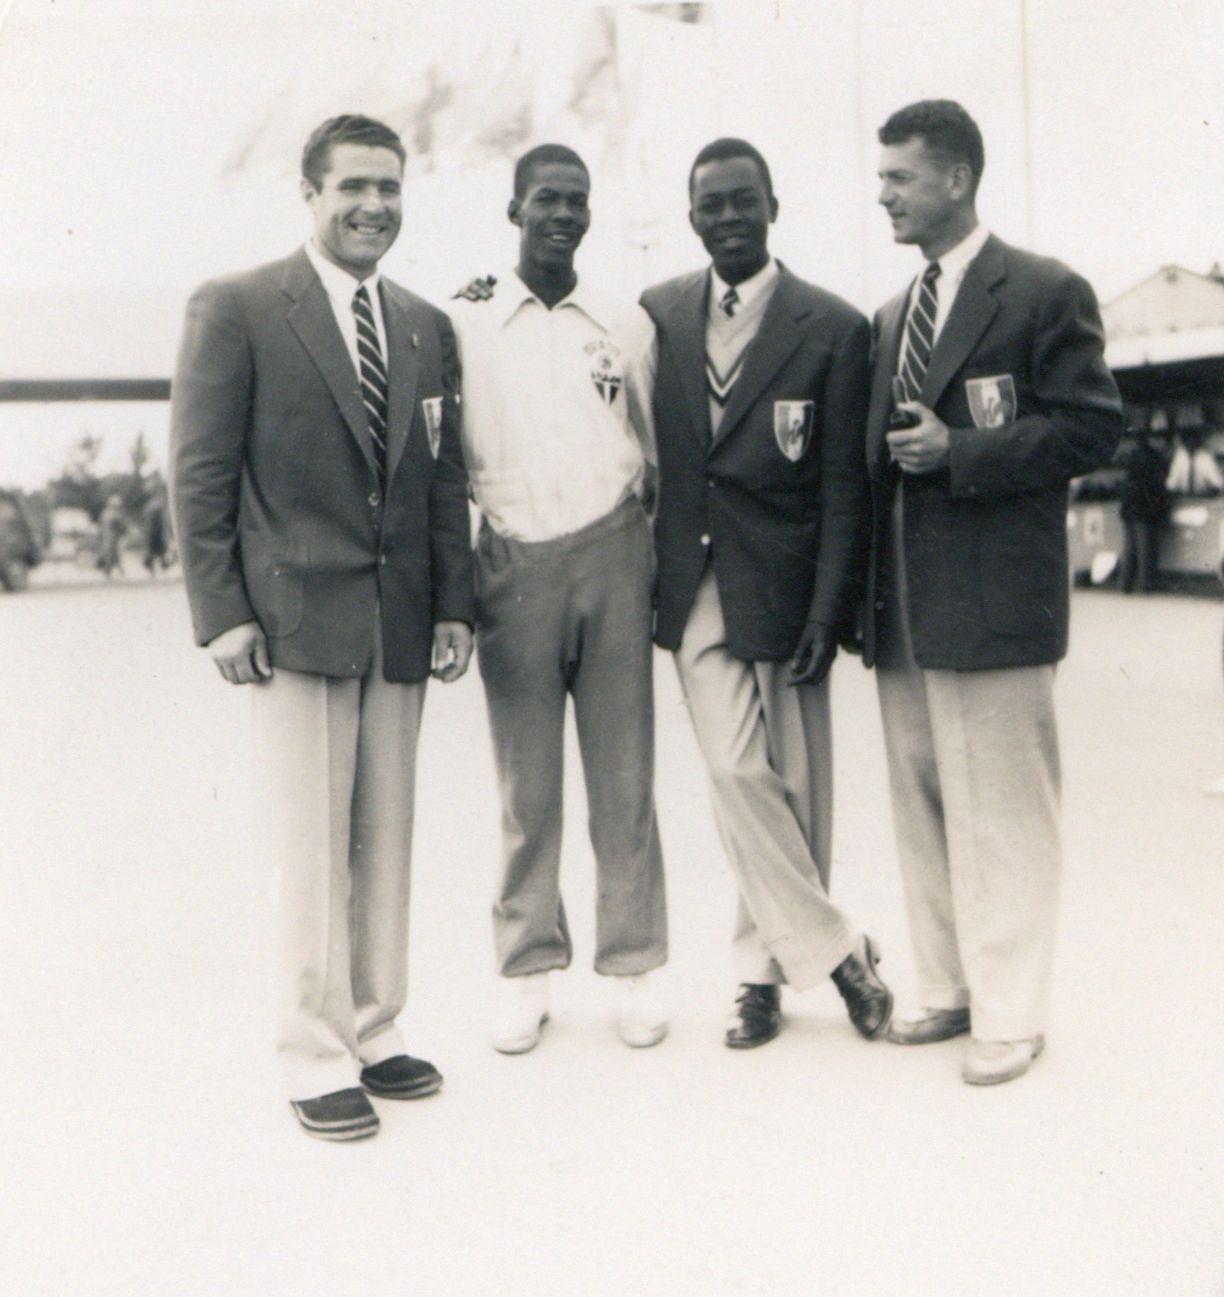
x=793, y=422
x=431, y=407
x=606, y=372
x=992, y=401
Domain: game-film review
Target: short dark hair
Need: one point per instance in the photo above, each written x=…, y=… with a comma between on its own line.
x=348, y=128
x=722, y=150
x=945, y=128
x=542, y=156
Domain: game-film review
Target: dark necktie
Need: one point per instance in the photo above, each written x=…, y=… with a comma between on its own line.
x=728, y=302
x=373, y=379
x=919, y=335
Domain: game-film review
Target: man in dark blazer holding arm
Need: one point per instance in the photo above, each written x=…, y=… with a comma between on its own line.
x=760, y=391
x=321, y=513
x=994, y=359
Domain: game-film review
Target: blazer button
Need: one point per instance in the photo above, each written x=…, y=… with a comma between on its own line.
x=375, y=499
x=705, y=540
x=382, y=558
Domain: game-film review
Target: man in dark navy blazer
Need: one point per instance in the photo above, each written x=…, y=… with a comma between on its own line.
x=760, y=392
x=994, y=357
x=321, y=512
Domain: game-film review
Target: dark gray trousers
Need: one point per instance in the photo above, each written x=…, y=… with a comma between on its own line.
x=572, y=616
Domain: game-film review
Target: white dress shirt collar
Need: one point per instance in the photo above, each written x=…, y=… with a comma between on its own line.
x=340, y=285
x=748, y=289
x=954, y=262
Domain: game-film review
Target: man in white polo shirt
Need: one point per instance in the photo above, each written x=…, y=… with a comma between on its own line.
x=559, y=454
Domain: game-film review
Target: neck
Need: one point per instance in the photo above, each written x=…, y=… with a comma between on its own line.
x=958, y=229
x=549, y=283
x=735, y=275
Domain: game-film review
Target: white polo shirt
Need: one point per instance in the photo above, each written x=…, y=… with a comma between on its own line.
x=556, y=424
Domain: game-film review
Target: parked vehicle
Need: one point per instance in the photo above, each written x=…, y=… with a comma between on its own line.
x=19, y=549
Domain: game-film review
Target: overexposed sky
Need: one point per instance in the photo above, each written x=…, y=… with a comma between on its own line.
x=146, y=145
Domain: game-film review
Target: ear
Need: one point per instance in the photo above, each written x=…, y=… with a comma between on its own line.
x=962, y=179
x=308, y=190
x=514, y=211
x=693, y=222
x=773, y=209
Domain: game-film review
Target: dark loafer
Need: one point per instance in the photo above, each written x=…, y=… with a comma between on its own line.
x=341, y=1115
x=401, y=1077
x=868, y=1000
x=756, y=1018
x=931, y=1026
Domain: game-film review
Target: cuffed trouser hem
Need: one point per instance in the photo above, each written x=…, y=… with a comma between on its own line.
x=630, y=965
x=310, y=1082
x=388, y=1043
x=791, y=961
x=945, y=998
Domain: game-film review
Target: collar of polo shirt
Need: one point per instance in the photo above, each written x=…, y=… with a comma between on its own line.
x=516, y=295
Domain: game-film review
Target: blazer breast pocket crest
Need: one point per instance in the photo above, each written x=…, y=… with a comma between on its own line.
x=431, y=407
x=793, y=422
x=992, y=400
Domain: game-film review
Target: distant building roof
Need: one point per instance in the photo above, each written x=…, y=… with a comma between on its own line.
x=1175, y=314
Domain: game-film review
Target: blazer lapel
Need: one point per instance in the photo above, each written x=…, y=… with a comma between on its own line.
x=775, y=342
x=888, y=349
x=403, y=372
x=973, y=310
x=312, y=319
x=687, y=336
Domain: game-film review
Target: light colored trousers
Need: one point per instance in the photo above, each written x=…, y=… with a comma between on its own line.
x=974, y=772
x=767, y=748
x=562, y=618
x=339, y=760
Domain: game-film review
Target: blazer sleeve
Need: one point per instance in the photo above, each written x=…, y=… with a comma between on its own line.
x=1078, y=422
x=845, y=490
x=210, y=401
x=450, y=537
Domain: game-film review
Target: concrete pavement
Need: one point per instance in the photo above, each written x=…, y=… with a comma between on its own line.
x=145, y=1147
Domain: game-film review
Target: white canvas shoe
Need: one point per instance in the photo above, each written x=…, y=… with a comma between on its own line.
x=639, y=1015
x=522, y=1011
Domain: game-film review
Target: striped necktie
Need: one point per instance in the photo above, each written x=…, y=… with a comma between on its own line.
x=919, y=335
x=728, y=302
x=373, y=379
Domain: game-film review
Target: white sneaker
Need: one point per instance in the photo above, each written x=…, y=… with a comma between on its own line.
x=522, y=1011
x=640, y=1018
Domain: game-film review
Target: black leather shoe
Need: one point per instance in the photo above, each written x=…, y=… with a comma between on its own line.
x=869, y=1001
x=343, y=1114
x=401, y=1077
x=756, y=1018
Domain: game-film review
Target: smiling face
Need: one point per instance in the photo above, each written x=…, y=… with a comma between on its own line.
x=731, y=211
x=552, y=215
x=358, y=206
x=928, y=199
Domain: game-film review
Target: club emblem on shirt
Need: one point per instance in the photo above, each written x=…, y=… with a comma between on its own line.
x=793, y=422
x=605, y=369
x=992, y=401
x=431, y=407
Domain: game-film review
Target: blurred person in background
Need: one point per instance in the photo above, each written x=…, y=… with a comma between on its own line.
x=112, y=527
x=1144, y=508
